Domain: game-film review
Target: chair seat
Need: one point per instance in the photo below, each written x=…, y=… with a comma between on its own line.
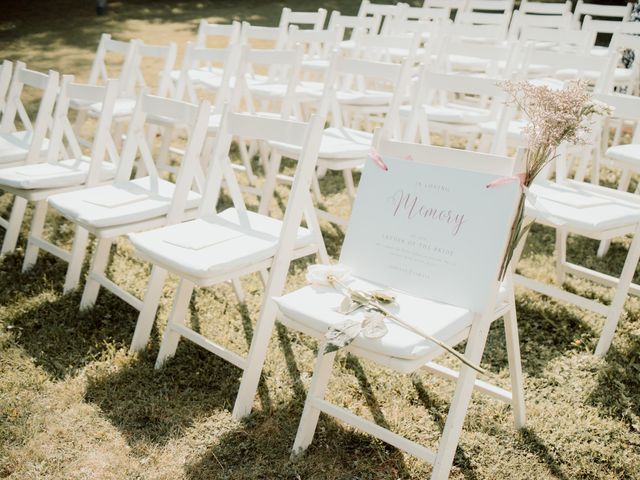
x=14, y=146
x=363, y=97
x=456, y=113
x=123, y=107
x=625, y=153
x=314, y=308
x=619, y=74
x=514, y=129
x=338, y=143
x=207, y=247
x=585, y=207
x=196, y=74
x=119, y=203
x=66, y=173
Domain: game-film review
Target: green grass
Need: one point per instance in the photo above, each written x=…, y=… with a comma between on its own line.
x=75, y=405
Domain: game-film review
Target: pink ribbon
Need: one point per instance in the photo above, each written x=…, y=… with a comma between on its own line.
x=520, y=178
x=375, y=156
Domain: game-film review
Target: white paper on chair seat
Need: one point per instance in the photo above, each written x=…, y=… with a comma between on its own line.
x=434, y=232
x=198, y=234
x=109, y=199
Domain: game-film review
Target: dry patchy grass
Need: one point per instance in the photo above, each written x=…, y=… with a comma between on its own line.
x=75, y=405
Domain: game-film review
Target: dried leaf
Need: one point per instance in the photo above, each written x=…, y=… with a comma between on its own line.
x=373, y=326
x=341, y=334
x=384, y=296
x=347, y=306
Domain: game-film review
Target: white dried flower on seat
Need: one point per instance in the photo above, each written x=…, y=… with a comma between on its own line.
x=373, y=325
x=320, y=275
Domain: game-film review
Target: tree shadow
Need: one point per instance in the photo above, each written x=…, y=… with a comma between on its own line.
x=617, y=393
x=261, y=446
x=149, y=405
x=58, y=337
x=528, y=440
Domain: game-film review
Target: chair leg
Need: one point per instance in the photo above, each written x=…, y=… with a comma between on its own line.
x=348, y=180
x=149, y=308
x=317, y=389
x=15, y=222
x=623, y=186
x=238, y=290
x=78, y=250
x=561, y=254
x=620, y=296
x=178, y=314
x=37, y=225
x=460, y=402
x=269, y=187
x=515, y=366
x=98, y=266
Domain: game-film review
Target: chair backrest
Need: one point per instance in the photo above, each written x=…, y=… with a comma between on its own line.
x=485, y=34
x=620, y=12
x=387, y=48
x=381, y=13
x=317, y=44
x=5, y=79
x=360, y=74
x=151, y=110
x=520, y=21
x=445, y=88
x=149, y=58
x=561, y=40
x=224, y=59
x=496, y=61
x=433, y=214
x=545, y=8
x=610, y=26
x=63, y=139
x=15, y=115
x=351, y=27
x=223, y=34
x=107, y=50
x=580, y=65
x=313, y=20
x=625, y=107
x=263, y=37
x=280, y=67
x=453, y=7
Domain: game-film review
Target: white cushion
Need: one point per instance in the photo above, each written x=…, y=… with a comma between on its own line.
x=364, y=97
x=210, y=246
x=339, y=143
x=65, y=173
x=123, y=107
x=629, y=153
x=314, y=307
x=14, y=146
x=456, y=113
x=584, y=206
x=118, y=203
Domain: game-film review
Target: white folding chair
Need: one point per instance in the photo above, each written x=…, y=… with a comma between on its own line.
x=460, y=56
x=625, y=80
x=591, y=211
x=62, y=172
x=453, y=105
x=343, y=148
x=618, y=12
x=313, y=20
x=493, y=13
x=114, y=59
x=224, y=35
x=219, y=246
x=350, y=28
x=429, y=268
x=5, y=79
x=24, y=140
x=557, y=40
x=520, y=20
x=382, y=14
x=317, y=46
x=256, y=36
x=126, y=206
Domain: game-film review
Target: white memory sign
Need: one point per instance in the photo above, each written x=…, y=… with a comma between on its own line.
x=431, y=231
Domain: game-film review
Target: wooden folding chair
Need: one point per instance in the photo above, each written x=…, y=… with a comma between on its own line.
x=125, y=206
x=24, y=140
x=66, y=168
x=221, y=246
x=397, y=239
x=5, y=79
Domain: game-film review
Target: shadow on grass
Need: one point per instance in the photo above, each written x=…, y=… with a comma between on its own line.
x=261, y=448
x=617, y=392
x=54, y=332
x=528, y=440
x=149, y=405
